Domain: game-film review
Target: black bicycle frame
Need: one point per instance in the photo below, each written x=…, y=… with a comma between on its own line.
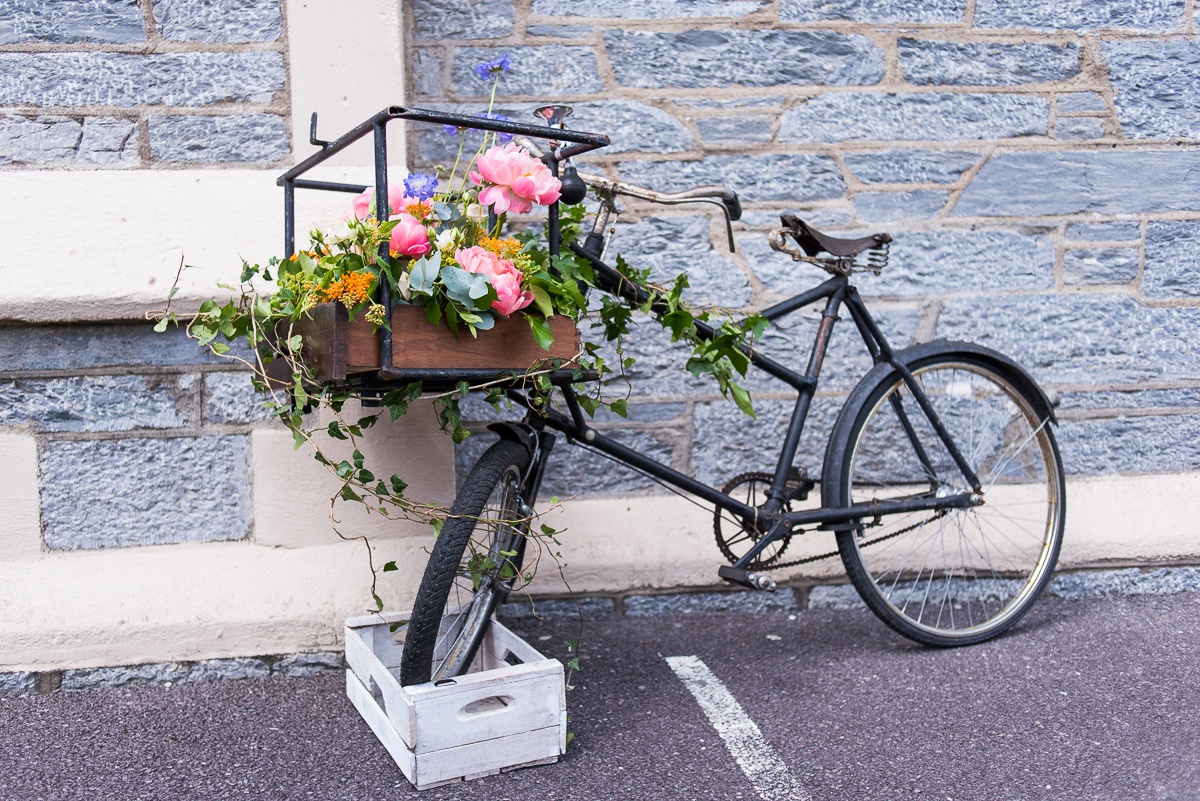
x=837, y=292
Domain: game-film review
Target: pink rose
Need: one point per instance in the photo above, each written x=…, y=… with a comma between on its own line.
x=396, y=200
x=503, y=275
x=513, y=179
x=410, y=237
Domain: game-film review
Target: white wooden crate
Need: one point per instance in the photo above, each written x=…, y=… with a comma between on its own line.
x=508, y=711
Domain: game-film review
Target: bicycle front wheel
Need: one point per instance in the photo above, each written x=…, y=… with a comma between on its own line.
x=954, y=576
x=475, y=561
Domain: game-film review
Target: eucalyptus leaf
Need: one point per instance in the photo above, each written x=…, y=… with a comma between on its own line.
x=423, y=273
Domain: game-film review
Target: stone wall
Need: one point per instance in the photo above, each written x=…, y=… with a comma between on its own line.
x=1036, y=161
x=141, y=83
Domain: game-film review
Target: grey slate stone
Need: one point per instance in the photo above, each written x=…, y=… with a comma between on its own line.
x=674, y=245
x=231, y=398
x=123, y=80
x=987, y=260
x=710, y=58
x=253, y=138
x=1144, y=16
x=931, y=116
x=70, y=21
x=824, y=216
x=1164, y=444
x=99, y=403
x=687, y=603
x=228, y=668
x=117, y=493
x=1103, y=266
x=835, y=596
x=660, y=367
x=93, y=678
x=1104, y=232
x=63, y=140
x=82, y=347
x=638, y=9
x=1079, y=128
x=872, y=11
x=310, y=664
x=218, y=21
x=1132, y=581
x=591, y=608
x=927, y=63
x=1133, y=398
x=17, y=683
x=1156, y=92
x=1076, y=182
x=1081, y=101
x=426, y=73
x=576, y=471
x=790, y=177
x=911, y=166
x=542, y=70
x=735, y=130
x=742, y=101
x=919, y=204
x=1172, y=259
x=560, y=31
x=454, y=19
x=1110, y=336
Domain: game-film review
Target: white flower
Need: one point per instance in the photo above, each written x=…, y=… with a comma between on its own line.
x=446, y=239
x=403, y=286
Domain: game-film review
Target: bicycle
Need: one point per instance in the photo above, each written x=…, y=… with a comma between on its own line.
x=941, y=480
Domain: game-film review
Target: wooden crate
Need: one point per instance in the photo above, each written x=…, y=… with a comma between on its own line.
x=336, y=346
x=508, y=711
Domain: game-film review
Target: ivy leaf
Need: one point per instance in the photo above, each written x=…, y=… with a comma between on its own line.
x=541, y=298
x=390, y=567
x=541, y=332
x=335, y=430
x=349, y=494
x=366, y=476
x=161, y=326
x=618, y=407
x=742, y=398
x=398, y=486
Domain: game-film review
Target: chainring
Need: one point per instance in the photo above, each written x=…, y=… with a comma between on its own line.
x=750, y=488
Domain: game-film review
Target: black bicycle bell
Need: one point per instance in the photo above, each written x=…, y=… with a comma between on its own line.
x=574, y=190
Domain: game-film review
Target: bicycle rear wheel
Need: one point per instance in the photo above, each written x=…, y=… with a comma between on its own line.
x=475, y=561
x=955, y=576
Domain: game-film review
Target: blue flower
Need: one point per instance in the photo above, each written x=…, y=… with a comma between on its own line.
x=421, y=185
x=486, y=69
x=452, y=130
x=498, y=117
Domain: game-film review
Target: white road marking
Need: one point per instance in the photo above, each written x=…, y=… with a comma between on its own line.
x=763, y=767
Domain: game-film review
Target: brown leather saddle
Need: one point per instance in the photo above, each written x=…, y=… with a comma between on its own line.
x=813, y=241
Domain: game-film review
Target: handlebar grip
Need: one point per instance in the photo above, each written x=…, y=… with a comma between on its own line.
x=733, y=206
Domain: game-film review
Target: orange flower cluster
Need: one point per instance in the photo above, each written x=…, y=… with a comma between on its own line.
x=351, y=289
x=419, y=209
x=504, y=248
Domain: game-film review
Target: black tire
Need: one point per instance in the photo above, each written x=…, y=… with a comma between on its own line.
x=959, y=576
x=475, y=562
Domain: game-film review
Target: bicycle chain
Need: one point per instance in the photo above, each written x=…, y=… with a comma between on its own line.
x=884, y=538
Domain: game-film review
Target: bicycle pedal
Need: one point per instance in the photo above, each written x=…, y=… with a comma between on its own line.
x=755, y=581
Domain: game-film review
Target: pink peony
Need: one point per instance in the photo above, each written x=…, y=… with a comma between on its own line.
x=396, y=200
x=514, y=180
x=503, y=275
x=410, y=237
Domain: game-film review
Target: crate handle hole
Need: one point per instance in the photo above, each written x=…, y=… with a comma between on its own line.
x=445, y=683
x=485, y=706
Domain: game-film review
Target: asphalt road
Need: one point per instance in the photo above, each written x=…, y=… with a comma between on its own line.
x=1093, y=699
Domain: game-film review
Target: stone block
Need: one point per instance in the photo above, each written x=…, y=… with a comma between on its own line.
x=575, y=471
x=1101, y=266
x=1156, y=92
x=311, y=664
x=560, y=31
x=1145, y=16
x=719, y=58
x=84, y=347
x=99, y=403
x=741, y=101
x=592, y=608
x=117, y=493
x=985, y=260
x=1172, y=259
x=931, y=116
x=1079, y=128
x=739, y=130
x=231, y=398
x=1165, y=444
x=218, y=21
x=919, y=204
x=1081, y=101
x=659, y=369
x=688, y=603
x=95, y=678
x=873, y=11
x=1113, y=339
x=926, y=62
x=427, y=73
x=1078, y=182
x=789, y=177
x=125, y=80
x=542, y=71
x=454, y=19
x=1133, y=398
x=674, y=245
x=1131, y=581
x=823, y=216
x=18, y=683
x=1104, y=232
x=637, y=9
x=71, y=21
x=106, y=140
x=63, y=140
x=911, y=166
x=229, y=668
x=253, y=138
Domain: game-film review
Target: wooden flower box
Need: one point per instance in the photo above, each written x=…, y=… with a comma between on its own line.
x=508, y=711
x=336, y=347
